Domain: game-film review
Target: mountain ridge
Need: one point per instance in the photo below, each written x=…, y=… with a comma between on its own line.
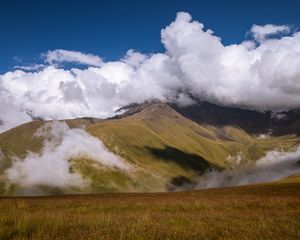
x=168, y=150
x=252, y=121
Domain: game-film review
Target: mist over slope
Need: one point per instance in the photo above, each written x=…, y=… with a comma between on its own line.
x=52, y=166
x=260, y=73
x=275, y=165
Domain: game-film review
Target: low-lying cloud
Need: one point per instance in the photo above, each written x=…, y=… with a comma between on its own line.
x=261, y=73
x=52, y=167
x=274, y=166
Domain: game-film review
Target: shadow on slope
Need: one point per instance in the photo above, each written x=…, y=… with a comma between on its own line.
x=186, y=160
x=180, y=183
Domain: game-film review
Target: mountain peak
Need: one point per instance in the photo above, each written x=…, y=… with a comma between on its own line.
x=202, y=112
x=131, y=109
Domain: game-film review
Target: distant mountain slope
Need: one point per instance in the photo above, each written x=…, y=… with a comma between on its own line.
x=167, y=149
x=251, y=121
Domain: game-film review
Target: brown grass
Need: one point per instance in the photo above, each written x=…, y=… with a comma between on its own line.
x=270, y=211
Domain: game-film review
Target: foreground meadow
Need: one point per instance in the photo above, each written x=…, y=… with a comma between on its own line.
x=270, y=211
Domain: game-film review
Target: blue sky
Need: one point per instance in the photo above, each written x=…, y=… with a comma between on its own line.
x=110, y=28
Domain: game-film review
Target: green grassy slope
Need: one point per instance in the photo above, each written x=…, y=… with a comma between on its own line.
x=165, y=148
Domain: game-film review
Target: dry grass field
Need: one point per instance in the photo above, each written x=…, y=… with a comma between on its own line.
x=268, y=211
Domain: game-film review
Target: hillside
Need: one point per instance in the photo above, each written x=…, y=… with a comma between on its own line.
x=167, y=150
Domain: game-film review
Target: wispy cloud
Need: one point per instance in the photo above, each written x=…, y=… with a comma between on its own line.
x=61, y=56
x=30, y=67
x=261, y=33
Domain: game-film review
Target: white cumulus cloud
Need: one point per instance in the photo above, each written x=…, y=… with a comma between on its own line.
x=262, y=76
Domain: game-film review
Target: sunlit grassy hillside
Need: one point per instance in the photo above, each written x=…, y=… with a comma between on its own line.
x=166, y=149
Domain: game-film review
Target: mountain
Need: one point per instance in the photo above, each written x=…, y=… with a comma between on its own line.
x=251, y=121
x=167, y=146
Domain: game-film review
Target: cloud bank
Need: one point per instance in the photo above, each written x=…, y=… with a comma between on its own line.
x=52, y=167
x=260, y=73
